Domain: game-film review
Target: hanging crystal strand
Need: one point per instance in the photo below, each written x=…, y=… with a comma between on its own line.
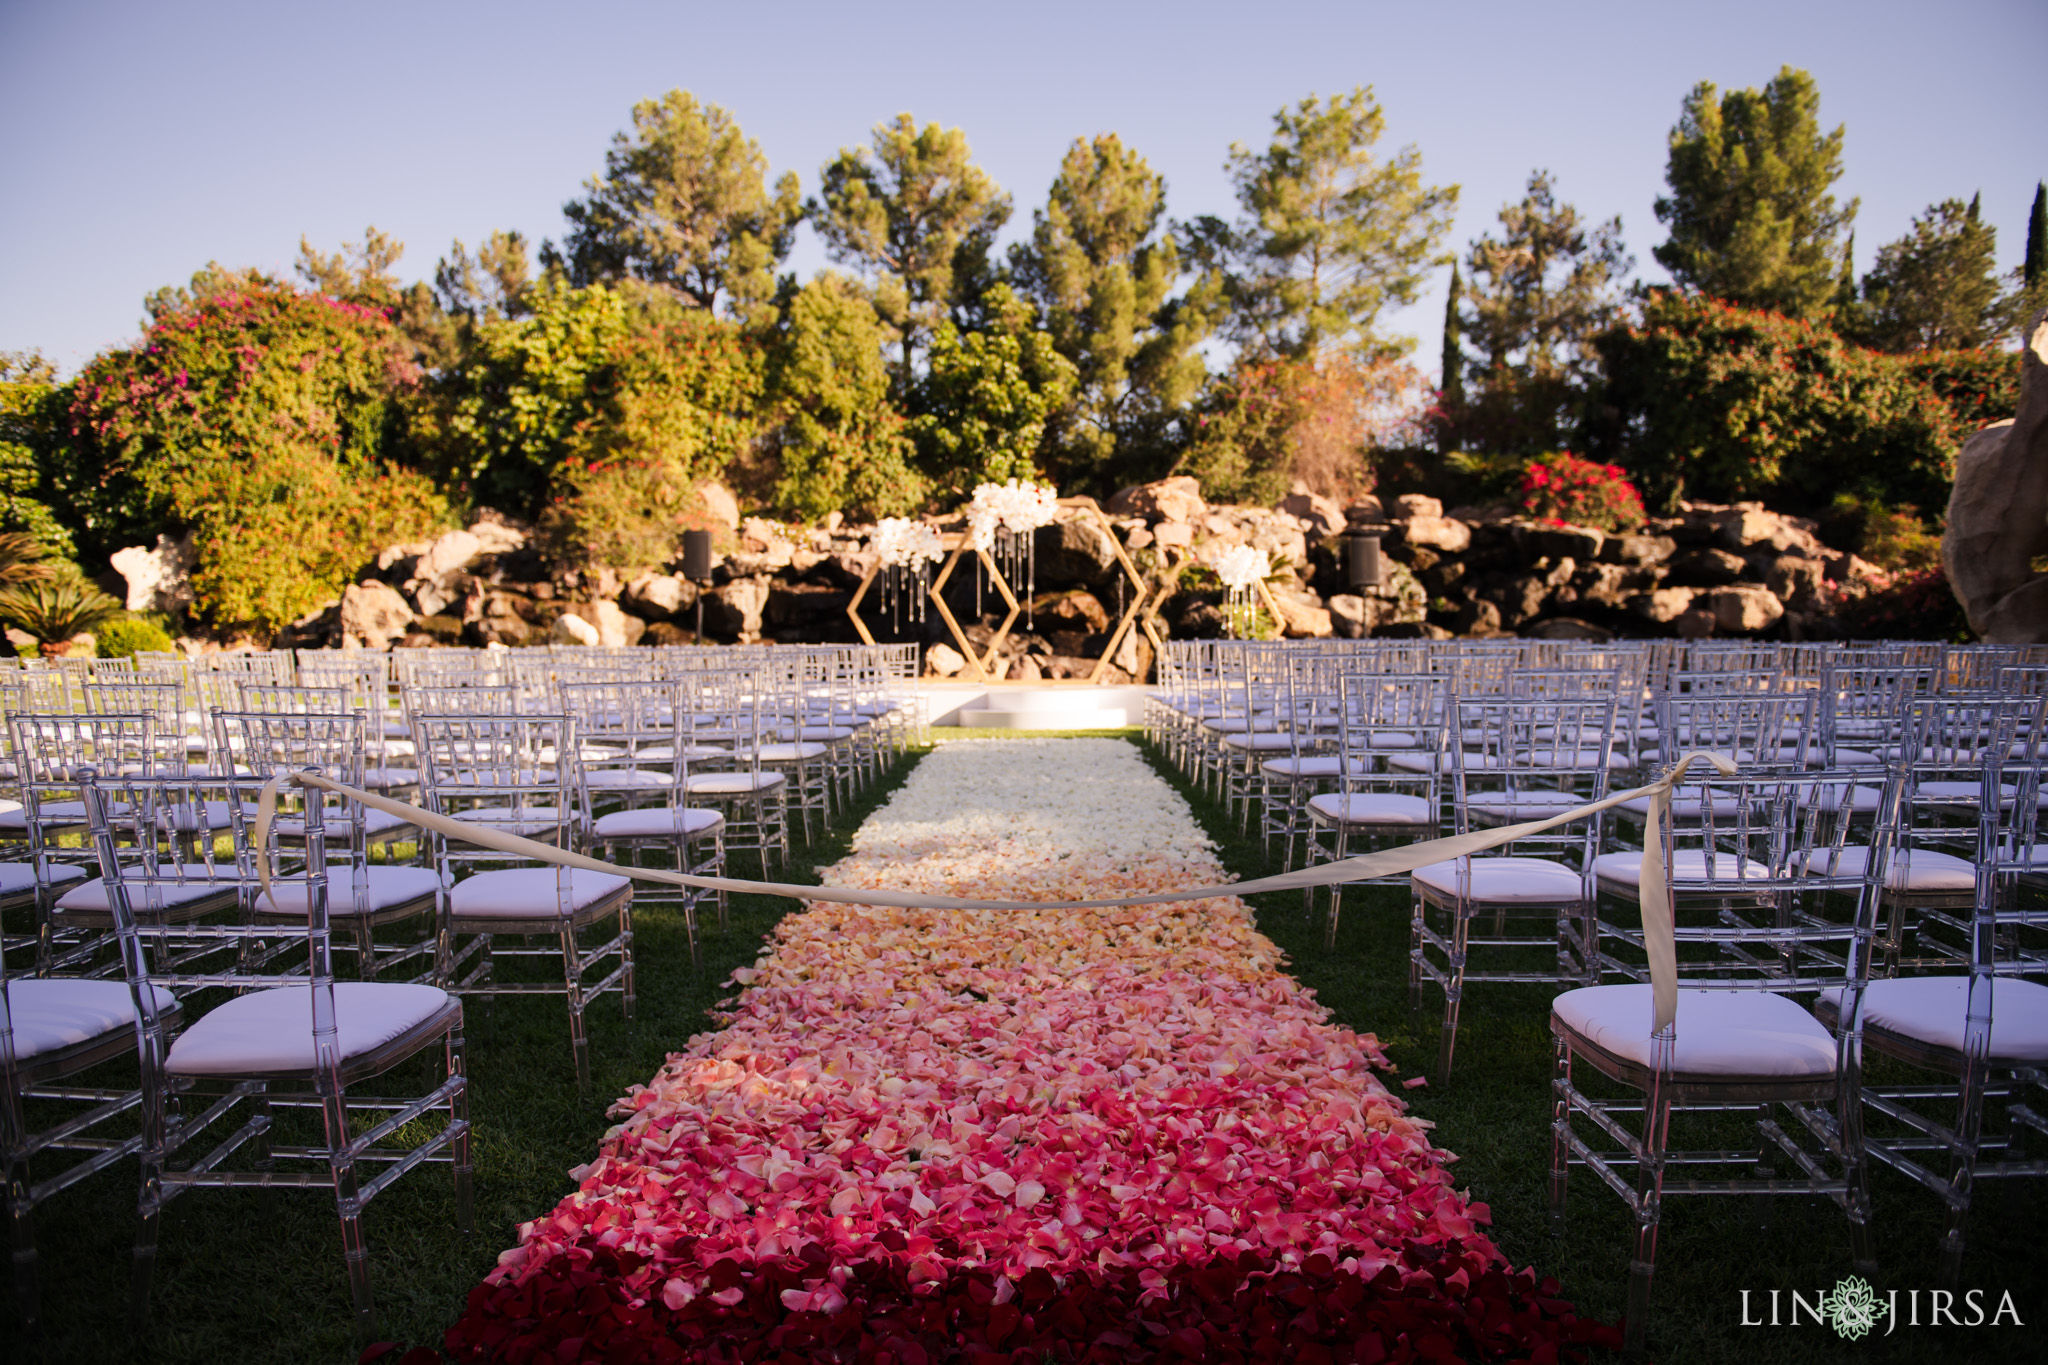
x=1024, y=545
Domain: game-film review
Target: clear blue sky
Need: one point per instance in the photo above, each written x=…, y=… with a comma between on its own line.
x=144, y=139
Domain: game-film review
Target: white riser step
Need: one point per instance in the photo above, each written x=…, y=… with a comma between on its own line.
x=1043, y=718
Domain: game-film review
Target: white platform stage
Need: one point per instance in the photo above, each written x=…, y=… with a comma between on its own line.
x=1035, y=706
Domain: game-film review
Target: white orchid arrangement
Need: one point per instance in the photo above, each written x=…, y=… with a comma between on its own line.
x=1018, y=507
x=1240, y=567
x=904, y=544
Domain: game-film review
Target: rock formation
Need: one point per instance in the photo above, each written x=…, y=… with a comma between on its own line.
x=1998, y=513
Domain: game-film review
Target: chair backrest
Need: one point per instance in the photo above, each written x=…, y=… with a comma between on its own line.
x=1784, y=879
x=145, y=875
x=523, y=772
x=1533, y=755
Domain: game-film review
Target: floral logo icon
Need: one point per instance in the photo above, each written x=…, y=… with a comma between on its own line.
x=1853, y=1308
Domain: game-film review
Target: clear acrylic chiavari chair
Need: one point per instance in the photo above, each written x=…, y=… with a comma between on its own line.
x=489, y=770
x=257, y=1042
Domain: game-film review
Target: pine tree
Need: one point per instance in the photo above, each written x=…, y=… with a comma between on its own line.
x=1536, y=297
x=1751, y=217
x=1935, y=288
x=1332, y=234
x=911, y=215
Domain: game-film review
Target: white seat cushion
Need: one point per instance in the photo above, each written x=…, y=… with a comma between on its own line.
x=376, y=824
x=530, y=893
x=383, y=779
x=1688, y=865
x=654, y=822
x=270, y=1031
x=143, y=897
x=1531, y=804
x=19, y=877
x=1506, y=881
x=187, y=817
x=1372, y=808
x=1961, y=793
x=51, y=812
x=818, y=732
x=54, y=1012
x=1263, y=742
x=1309, y=765
x=527, y=820
x=626, y=779
x=1930, y=1009
x=1720, y=1034
x=387, y=888
x=733, y=784
x=1911, y=869
x=789, y=753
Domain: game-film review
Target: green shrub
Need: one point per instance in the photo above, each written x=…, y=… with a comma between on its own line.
x=1919, y=605
x=53, y=610
x=121, y=637
x=1706, y=400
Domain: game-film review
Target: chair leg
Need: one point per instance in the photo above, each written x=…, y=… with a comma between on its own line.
x=22, y=1217
x=627, y=996
x=1560, y=1126
x=572, y=986
x=355, y=1252
x=1454, y=988
x=458, y=1113
x=1969, y=1129
x=1649, y=1198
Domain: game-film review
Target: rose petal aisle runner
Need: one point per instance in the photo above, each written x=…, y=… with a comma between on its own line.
x=992, y=1136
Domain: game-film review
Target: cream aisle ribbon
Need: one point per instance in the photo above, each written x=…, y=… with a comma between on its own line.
x=1658, y=938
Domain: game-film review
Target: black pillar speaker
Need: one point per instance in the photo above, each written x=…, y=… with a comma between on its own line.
x=1364, y=561
x=697, y=556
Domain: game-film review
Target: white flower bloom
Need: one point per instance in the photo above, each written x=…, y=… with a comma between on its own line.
x=1016, y=507
x=1240, y=566
x=903, y=543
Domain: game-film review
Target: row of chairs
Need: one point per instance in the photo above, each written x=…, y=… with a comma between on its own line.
x=227, y=988
x=1869, y=877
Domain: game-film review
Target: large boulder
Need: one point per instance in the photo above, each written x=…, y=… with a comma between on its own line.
x=720, y=504
x=1175, y=499
x=1437, y=533
x=615, y=628
x=373, y=616
x=658, y=596
x=1302, y=614
x=1706, y=568
x=1074, y=550
x=1998, y=513
x=511, y=618
x=1662, y=606
x=1320, y=516
x=1743, y=609
x=571, y=629
x=158, y=579
x=1347, y=615
x=736, y=608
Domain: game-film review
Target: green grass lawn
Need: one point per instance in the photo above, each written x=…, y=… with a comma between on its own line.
x=245, y=1278
x=1495, y=1114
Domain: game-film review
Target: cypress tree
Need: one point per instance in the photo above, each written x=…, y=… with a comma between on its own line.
x=1453, y=384
x=2035, y=264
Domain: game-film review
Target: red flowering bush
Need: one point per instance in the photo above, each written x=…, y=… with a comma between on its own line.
x=1566, y=490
